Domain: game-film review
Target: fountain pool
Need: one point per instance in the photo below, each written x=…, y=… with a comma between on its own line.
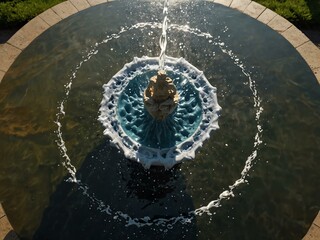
x=150, y=141
x=254, y=178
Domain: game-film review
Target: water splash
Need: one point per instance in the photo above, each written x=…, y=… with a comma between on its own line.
x=163, y=37
x=151, y=155
x=167, y=223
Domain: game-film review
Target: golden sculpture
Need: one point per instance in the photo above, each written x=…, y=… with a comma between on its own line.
x=161, y=96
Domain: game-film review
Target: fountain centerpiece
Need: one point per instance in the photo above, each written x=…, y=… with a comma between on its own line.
x=154, y=121
x=160, y=97
x=159, y=110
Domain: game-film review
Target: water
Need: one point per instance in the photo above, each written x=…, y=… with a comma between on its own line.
x=175, y=129
x=134, y=131
x=262, y=82
x=145, y=140
x=163, y=38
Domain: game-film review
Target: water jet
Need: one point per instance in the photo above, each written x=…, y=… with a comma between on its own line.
x=58, y=162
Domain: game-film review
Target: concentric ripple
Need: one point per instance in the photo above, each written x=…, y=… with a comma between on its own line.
x=205, y=208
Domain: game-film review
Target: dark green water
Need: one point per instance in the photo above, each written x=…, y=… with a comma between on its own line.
x=281, y=197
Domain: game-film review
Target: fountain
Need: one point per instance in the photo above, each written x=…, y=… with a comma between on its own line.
x=161, y=97
x=126, y=112
x=68, y=99
x=169, y=135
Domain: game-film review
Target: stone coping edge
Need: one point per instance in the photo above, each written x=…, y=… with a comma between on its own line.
x=19, y=41
x=6, y=231
x=314, y=230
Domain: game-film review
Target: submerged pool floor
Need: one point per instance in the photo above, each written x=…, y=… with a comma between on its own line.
x=17, y=44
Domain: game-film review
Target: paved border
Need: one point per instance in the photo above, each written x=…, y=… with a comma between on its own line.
x=6, y=232
x=10, y=50
x=314, y=230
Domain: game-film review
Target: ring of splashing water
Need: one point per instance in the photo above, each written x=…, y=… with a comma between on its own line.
x=167, y=222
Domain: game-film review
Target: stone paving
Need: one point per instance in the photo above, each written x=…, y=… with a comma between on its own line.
x=6, y=232
x=19, y=41
x=314, y=230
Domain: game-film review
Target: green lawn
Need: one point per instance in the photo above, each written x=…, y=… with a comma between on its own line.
x=301, y=12
x=15, y=13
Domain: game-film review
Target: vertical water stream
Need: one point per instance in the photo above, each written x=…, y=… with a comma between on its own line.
x=163, y=38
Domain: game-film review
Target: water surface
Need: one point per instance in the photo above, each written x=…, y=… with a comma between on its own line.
x=281, y=195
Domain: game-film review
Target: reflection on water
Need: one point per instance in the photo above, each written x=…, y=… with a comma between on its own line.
x=278, y=202
x=127, y=187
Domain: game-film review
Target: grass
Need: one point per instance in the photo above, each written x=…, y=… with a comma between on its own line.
x=15, y=13
x=299, y=12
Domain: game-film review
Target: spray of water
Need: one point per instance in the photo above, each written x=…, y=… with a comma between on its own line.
x=167, y=223
x=163, y=37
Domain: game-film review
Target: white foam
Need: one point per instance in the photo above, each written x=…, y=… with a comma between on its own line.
x=146, y=221
x=148, y=156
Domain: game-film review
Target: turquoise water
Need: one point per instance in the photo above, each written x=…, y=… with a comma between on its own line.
x=132, y=129
x=177, y=127
x=280, y=197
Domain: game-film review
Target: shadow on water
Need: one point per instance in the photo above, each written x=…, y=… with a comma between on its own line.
x=282, y=197
x=125, y=186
